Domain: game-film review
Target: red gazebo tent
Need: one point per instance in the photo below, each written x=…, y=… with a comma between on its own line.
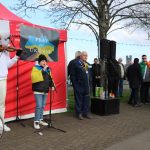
x=26, y=101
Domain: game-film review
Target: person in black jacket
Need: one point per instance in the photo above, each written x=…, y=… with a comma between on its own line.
x=96, y=75
x=71, y=64
x=114, y=73
x=134, y=77
x=41, y=81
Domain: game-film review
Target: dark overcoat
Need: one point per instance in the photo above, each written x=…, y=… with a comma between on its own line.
x=134, y=75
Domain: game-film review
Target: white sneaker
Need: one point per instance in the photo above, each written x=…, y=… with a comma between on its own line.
x=43, y=123
x=6, y=128
x=36, y=125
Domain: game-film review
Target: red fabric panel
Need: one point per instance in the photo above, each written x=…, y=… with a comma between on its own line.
x=25, y=96
x=63, y=35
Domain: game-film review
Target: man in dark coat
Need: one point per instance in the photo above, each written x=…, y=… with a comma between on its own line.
x=80, y=79
x=71, y=63
x=96, y=75
x=134, y=77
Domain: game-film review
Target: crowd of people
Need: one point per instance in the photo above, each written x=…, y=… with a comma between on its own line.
x=81, y=74
x=137, y=74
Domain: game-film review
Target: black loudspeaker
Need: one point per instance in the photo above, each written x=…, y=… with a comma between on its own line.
x=105, y=106
x=112, y=49
x=107, y=49
x=104, y=49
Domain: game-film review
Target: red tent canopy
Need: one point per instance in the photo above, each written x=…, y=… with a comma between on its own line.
x=8, y=15
x=26, y=101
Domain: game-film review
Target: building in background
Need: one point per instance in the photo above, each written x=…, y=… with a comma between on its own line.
x=128, y=59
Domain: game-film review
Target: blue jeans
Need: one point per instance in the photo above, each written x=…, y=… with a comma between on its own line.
x=40, y=104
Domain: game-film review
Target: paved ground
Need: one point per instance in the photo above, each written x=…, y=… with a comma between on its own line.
x=137, y=142
x=98, y=133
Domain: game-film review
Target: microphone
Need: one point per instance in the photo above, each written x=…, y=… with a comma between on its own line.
x=47, y=67
x=14, y=35
x=8, y=38
x=54, y=86
x=11, y=35
x=88, y=63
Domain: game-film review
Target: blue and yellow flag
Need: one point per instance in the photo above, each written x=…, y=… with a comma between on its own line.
x=35, y=41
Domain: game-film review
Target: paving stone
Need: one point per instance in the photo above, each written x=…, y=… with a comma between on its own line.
x=97, y=133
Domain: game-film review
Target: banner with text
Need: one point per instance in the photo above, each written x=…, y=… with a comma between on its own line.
x=35, y=41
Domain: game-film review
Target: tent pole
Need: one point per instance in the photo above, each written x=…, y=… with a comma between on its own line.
x=66, y=70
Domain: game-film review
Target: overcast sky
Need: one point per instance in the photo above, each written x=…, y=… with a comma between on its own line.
x=128, y=43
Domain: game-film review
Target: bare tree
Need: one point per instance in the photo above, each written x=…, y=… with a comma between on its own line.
x=100, y=16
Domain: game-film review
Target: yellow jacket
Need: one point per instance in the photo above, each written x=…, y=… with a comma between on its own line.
x=36, y=75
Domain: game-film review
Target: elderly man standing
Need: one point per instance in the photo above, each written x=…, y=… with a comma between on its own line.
x=122, y=78
x=80, y=79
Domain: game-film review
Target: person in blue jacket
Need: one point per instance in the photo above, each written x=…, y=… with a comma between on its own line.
x=80, y=80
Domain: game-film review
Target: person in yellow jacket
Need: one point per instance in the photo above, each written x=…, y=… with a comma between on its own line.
x=41, y=81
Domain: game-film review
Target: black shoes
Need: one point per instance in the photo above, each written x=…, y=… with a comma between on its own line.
x=137, y=105
x=147, y=102
x=130, y=103
x=81, y=117
x=87, y=116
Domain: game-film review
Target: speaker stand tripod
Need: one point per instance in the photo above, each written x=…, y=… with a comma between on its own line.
x=50, y=124
x=17, y=89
